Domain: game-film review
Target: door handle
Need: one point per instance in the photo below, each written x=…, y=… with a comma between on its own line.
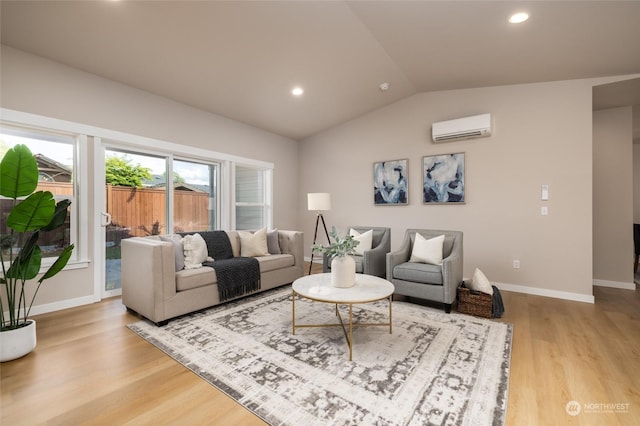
x=105, y=219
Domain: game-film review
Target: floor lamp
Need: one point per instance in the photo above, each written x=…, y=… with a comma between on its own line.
x=318, y=201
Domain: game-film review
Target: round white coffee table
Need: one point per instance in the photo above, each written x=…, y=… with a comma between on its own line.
x=318, y=288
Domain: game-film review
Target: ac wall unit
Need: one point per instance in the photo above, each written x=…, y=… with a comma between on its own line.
x=476, y=126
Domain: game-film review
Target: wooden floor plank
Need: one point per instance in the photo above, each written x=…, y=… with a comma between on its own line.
x=89, y=368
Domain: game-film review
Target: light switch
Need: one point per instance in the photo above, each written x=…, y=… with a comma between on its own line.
x=544, y=210
x=545, y=193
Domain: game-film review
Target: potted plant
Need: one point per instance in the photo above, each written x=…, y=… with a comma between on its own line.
x=21, y=255
x=343, y=267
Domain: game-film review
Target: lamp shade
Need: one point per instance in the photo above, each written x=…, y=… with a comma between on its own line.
x=319, y=201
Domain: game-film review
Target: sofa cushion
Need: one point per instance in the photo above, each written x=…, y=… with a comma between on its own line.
x=272, y=242
x=188, y=279
x=253, y=244
x=176, y=240
x=195, y=251
x=418, y=273
x=276, y=261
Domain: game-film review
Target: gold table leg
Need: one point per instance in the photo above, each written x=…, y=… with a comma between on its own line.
x=348, y=334
x=390, y=321
x=350, y=331
x=293, y=311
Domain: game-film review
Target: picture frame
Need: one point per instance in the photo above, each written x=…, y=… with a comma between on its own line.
x=443, y=179
x=390, y=183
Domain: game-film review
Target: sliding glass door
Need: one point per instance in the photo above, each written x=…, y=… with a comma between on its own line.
x=136, y=200
x=140, y=201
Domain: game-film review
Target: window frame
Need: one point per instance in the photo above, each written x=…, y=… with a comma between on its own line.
x=30, y=125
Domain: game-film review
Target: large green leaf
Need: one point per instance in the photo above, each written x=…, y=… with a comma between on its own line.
x=59, y=216
x=18, y=172
x=26, y=267
x=59, y=264
x=23, y=259
x=35, y=212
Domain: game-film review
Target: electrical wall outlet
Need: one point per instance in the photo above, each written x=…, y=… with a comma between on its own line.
x=516, y=264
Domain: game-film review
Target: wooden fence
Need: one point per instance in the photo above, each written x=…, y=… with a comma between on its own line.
x=143, y=211
x=137, y=211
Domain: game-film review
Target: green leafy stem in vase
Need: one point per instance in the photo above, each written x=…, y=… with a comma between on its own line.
x=341, y=246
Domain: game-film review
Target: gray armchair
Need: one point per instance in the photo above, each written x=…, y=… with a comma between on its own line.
x=438, y=283
x=373, y=261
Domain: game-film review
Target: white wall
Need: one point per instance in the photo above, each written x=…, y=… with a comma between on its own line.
x=36, y=85
x=636, y=183
x=613, y=197
x=542, y=135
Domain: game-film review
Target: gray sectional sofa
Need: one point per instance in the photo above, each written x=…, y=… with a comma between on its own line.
x=153, y=288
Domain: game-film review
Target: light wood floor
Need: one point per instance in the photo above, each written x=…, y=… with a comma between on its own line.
x=88, y=368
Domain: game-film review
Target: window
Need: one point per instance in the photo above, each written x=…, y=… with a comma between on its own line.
x=56, y=157
x=195, y=206
x=253, y=205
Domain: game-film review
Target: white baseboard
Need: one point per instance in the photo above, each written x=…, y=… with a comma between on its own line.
x=576, y=297
x=57, y=306
x=615, y=284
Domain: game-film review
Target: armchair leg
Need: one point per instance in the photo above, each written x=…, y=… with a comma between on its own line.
x=447, y=308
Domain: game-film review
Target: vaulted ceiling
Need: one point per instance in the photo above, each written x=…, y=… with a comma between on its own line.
x=240, y=59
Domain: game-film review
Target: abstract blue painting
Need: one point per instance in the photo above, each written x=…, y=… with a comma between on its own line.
x=390, y=182
x=443, y=178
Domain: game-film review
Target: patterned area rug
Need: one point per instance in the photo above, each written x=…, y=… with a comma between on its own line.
x=434, y=369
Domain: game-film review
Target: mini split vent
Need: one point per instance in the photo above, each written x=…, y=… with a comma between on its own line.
x=477, y=126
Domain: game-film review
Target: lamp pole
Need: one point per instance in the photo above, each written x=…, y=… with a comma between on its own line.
x=319, y=218
x=318, y=201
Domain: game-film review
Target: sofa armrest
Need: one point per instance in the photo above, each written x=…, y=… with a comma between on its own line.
x=326, y=262
x=452, y=267
x=374, y=261
x=148, y=276
x=292, y=242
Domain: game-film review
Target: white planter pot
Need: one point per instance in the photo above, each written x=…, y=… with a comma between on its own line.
x=343, y=271
x=17, y=343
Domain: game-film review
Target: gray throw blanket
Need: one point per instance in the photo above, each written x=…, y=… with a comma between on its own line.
x=497, y=307
x=236, y=275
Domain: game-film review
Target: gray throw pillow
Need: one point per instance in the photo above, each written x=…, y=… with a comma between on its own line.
x=272, y=242
x=176, y=240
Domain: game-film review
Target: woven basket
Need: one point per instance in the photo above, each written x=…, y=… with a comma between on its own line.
x=474, y=302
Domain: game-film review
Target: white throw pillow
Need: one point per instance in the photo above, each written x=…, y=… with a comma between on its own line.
x=253, y=245
x=479, y=282
x=195, y=251
x=366, y=240
x=427, y=251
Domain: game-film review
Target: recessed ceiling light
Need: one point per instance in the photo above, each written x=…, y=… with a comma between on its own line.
x=518, y=18
x=297, y=91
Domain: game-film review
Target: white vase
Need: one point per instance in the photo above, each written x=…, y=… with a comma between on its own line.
x=17, y=343
x=343, y=271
